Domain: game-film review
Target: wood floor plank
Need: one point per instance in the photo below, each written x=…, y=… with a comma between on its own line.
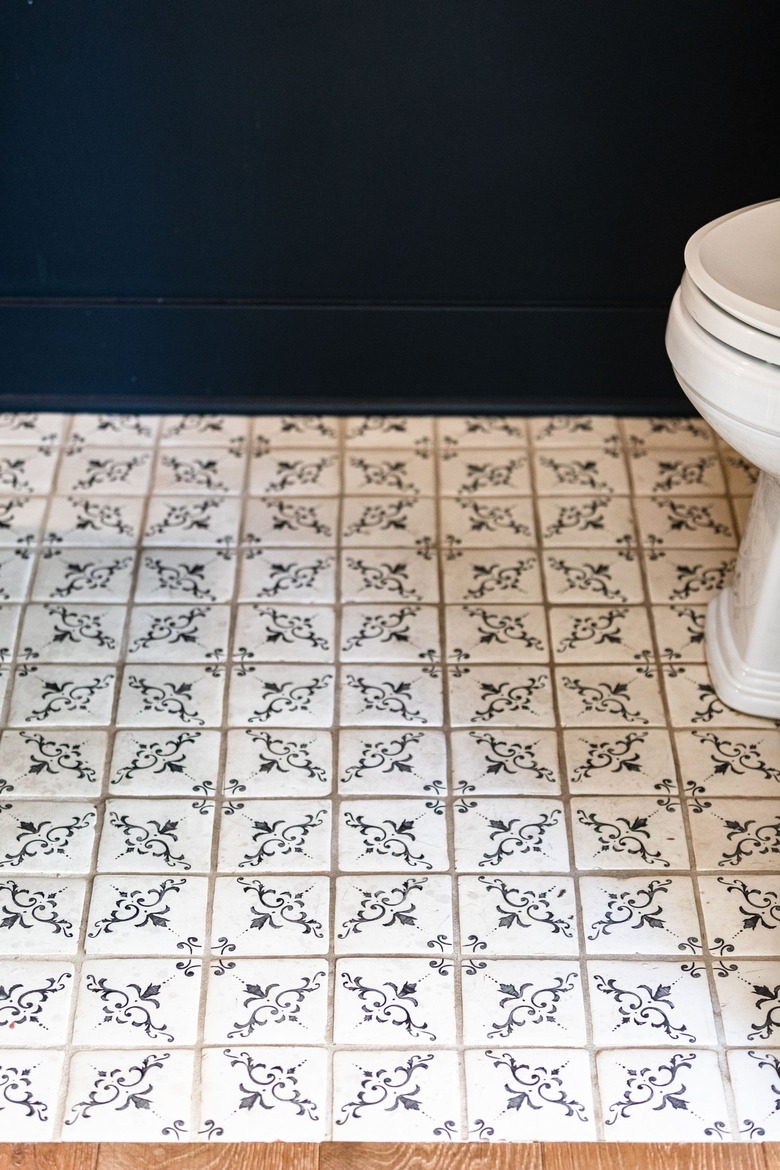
x=47, y=1156
x=660, y=1156
x=433, y=1156
x=218, y=1156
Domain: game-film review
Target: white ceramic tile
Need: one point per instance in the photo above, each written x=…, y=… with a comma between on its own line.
x=299, y=522
x=408, y=521
x=677, y=472
x=517, y=916
x=185, y=430
x=191, y=520
x=107, y=471
x=480, y=474
x=690, y=575
x=609, y=696
x=94, y=520
x=388, y=430
x=134, y=1002
x=165, y=763
x=30, y=1082
x=301, y=576
x=40, y=916
x=62, y=696
x=281, y=696
x=213, y=470
x=401, y=763
x=754, y=1079
x=679, y=631
x=628, y=832
x=295, y=430
x=410, y=1004
x=497, y=521
x=111, y=430
x=284, y=633
x=686, y=522
x=649, y=1003
x=506, y=763
x=593, y=576
x=94, y=576
x=267, y=1001
x=741, y=913
x=748, y=994
x=370, y=1088
x=185, y=575
x=657, y=433
x=63, y=763
x=389, y=633
x=27, y=471
x=629, y=762
x=730, y=763
x=577, y=521
x=504, y=835
x=103, y=1086
x=293, y=472
x=523, y=1001
x=132, y=914
x=574, y=430
x=64, y=632
x=35, y=1002
x=15, y=569
x=391, y=696
x=482, y=431
x=278, y=914
x=193, y=633
x=532, y=1094
x=393, y=915
x=278, y=1092
x=501, y=696
x=603, y=634
x=647, y=1092
x=156, y=836
x=651, y=915
x=389, y=574
x=502, y=575
x=584, y=471
x=165, y=696
x=736, y=835
x=269, y=836
x=389, y=472
x=21, y=518
x=496, y=633
x=392, y=836
x=31, y=427
x=46, y=837
x=263, y=763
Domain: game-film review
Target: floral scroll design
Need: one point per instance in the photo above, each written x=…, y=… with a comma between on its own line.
x=140, y=908
x=524, y=909
x=500, y=698
x=388, y=838
x=590, y=577
x=166, y=698
x=153, y=838
x=270, y=1086
x=290, y=576
x=131, y=1004
x=287, y=697
x=528, y=1004
x=497, y=578
x=274, y=1004
x=132, y=1087
x=605, y=698
x=388, y=1089
x=392, y=1003
x=23, y=908
x=277, y=755
x=504, y=758
x=273, y=908
x=68, y=696
x=535, y=1087
x=644, y=1006
x=623, y=835
x=388, y=758
x=387, y=697
x=188, y=577
x=659, y=1087
x=387, y=908
x=389, y=577
x=46, y=839
x=24, y=1005
x=518, y=837
x=281, y=839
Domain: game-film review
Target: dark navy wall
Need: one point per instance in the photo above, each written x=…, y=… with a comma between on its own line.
x=358, y=204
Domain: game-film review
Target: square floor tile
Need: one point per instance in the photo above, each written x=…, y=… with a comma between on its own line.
x=393, y=915
x=295, y=430
x=754, y=1080
x=371, y=1087
x=40, y=916
x=107, y=471
x=267, y=1001
x=156, y=836
x=165, y=763
x=679, y=632
x=387, y=430
x=690, y=575
x=496, y=633
x=136, y=1002
x=104, y=1084
x=639, y=915
x=479, y=474
x=628, y=832
x=635, y=1085
x=395, y=836
x=593, y=576
x=193, y=633
x=33, y=1077
x=532, y=1094
x=685, y=522
x=692, y=700
x=414, y=1005
x=63, y=763
x=609, y=761
x=677, y=472
x=389, y=574
x=35, y=1004
x=84, y=575
x=72, y=633
x=266, y=763
x=98, y=520
x=577, y=521
x=302, y=576
x=503, y=521
x=390, y=633
x=27, y=471
x=748, y=994
x=520, y=835
x=574, y=430
x=132, y=914
x=518, y=916
x=736, y=835
x=293, y=472
x=603, y=634
x=111, y=430
x=280, y=1090
x=501, y=696
x=400, y=763
x=208, y=429
x=505, y=763
x=609, y=696
x=279, y=914
x=528, y=1001
x=299, y=522
x=405, y=520
x=668, y=432
x=394, y=696
x=502, y=575
x=741, y=914
x=400, y=471
x=281, y=696
x=62, y=696
x=191, y=520
x=185, y=576
x=196, y=470
x=46, y=837
x=488, y=430
x=273, y=835
x=584, y=472
x=730, y=763
x=284, y=633
x=174, y=695
x=655, y=1003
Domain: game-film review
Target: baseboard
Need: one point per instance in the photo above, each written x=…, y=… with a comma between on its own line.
x=265, y=358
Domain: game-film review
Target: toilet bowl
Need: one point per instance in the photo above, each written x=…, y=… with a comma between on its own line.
x=723, y=340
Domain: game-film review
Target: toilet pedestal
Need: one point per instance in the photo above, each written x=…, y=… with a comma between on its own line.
x=743, y=621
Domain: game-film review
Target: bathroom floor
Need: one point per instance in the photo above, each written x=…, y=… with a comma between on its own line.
x=362, y=779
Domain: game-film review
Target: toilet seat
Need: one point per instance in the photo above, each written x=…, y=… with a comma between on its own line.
x=735, y=262
x=731, y=330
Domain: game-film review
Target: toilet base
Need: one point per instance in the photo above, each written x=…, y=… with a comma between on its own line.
x=738, y=685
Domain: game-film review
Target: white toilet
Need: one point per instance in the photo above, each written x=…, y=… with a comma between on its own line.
x=723, y=339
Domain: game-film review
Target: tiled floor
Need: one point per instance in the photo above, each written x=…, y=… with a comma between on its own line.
x=362, y=779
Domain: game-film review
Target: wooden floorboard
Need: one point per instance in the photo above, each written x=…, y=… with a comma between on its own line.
x=390, y=1156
